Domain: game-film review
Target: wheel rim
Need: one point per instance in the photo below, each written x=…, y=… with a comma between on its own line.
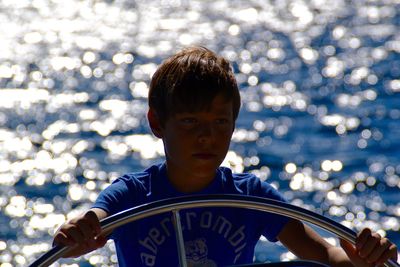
x=237, y=201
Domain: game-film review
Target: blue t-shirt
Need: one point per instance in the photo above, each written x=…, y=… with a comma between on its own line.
x=213, y=236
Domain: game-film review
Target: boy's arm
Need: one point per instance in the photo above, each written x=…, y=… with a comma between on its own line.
x=305, y=243
x=83, y=231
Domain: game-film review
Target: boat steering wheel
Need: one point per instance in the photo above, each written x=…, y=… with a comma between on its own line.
x=238, y=201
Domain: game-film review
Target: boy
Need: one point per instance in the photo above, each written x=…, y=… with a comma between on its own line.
x=193, y=104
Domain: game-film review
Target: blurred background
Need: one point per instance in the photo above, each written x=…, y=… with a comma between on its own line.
x=320, y=115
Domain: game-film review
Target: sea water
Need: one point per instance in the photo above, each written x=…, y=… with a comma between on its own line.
x=320, y=112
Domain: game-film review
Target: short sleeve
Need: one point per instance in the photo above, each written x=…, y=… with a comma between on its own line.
x=273, y=223
x=114, y=198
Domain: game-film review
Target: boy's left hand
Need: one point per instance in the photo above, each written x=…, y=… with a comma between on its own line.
x=371, y=249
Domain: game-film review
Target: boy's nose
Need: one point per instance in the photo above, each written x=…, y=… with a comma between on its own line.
x=206, y=133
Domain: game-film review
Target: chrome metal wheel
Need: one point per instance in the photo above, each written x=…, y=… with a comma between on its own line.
x=174, y=205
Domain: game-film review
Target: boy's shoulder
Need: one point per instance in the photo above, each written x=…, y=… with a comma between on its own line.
x=246, y=182
x=243, y=177
x=140, y=175
x=249, y=184
x=139, y=178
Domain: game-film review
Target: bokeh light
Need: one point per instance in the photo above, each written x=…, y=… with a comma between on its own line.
x=319, y=82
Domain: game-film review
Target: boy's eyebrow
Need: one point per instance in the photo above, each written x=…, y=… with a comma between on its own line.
x=221, y=112
x=224, y=112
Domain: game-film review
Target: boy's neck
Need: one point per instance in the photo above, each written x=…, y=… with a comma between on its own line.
x=188, y=182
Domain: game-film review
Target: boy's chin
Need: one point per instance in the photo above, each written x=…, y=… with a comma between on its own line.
x=199, y=167
x=205, y=168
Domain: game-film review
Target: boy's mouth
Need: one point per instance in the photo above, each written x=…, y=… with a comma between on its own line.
x=204, y=155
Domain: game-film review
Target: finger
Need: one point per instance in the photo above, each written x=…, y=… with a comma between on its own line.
x=390, y=253
x=75, y=234
x=379, y=250
x=350, y=250
x=369, y=245
x=62, y=239
x=85, y=228
x=101, y=241
x=352, y=253
x=92, y=244
x=362, y=238
x=93, y=221
x=347, y=246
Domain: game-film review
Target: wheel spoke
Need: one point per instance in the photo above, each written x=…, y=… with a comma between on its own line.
x=179, y=238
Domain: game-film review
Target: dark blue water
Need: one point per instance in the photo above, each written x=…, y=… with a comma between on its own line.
x=320, y=116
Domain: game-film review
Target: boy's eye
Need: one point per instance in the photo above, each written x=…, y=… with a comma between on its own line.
x=188, y=120
x=222, y=121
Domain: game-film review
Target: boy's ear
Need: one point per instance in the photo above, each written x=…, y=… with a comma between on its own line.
x=155, y=123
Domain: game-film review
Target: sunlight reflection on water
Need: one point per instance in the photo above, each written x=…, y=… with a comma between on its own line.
x=319, y=84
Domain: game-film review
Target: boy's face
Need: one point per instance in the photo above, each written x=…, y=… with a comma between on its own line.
x=196, y=143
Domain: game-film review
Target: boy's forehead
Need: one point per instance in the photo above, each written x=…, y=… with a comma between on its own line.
x=219, y=104
x=218, y=107
x=223, y=107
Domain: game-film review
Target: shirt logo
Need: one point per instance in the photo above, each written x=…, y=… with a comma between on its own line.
x=196, y=253
x=196, y=250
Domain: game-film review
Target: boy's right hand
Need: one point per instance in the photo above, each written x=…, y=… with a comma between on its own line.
x=82, y=232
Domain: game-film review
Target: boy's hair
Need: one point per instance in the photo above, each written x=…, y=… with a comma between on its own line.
x=189, y=81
